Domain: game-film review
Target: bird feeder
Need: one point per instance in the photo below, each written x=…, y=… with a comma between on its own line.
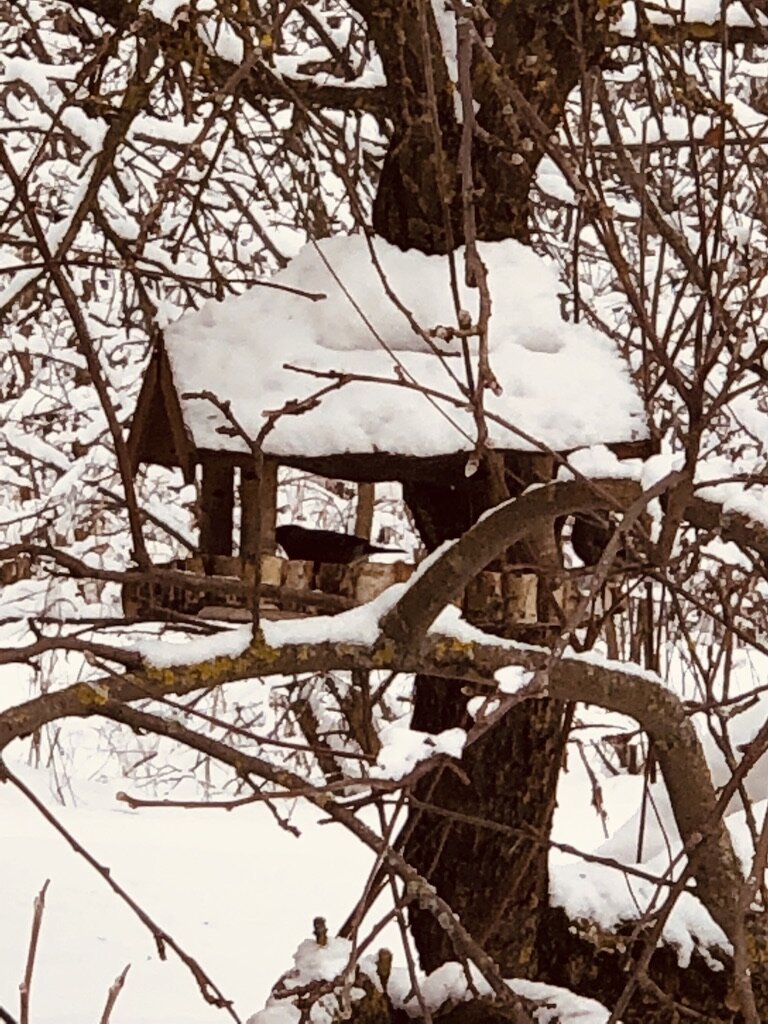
x=350, y=391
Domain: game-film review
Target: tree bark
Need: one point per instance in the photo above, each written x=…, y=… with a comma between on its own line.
x=537, y=44
x=498, y=887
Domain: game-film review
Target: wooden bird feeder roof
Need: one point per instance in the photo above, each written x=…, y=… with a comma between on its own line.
x=334, y=311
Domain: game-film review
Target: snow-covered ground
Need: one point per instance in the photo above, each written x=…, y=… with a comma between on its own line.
x=237, y=892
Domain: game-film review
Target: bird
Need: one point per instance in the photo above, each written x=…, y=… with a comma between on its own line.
x=298, y=542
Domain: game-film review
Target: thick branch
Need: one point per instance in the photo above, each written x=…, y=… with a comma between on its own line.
x=607, y=685
x=662, y=716
x=673, y=36
x=612, y=686
x=447, y=577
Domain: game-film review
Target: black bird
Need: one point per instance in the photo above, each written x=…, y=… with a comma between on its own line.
x=325, y=545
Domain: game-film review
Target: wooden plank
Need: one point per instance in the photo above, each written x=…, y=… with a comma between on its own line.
x=258, y=510
x=366, y=498
x=216, y=505
x=183, y=445
x=157, y=433
x=371, y=578
x=141, y=416
x=268, y=505
x=249, y=514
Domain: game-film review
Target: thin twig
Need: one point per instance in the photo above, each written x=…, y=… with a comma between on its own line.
x=25, y=988
x=114, y=991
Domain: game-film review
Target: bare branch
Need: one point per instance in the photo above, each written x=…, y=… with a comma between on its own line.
x=25, y=988
x=114, y=991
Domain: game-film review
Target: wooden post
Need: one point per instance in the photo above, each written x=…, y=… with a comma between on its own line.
x=366, y=498
x=253, y=498
x=216, y=504
x=249, y=514
x=268, y=506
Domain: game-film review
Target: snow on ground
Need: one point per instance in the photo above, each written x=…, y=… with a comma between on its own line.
x=609, y=897
x=239, y=894
x=236, y=891
x=449, y=983
x=564, y=384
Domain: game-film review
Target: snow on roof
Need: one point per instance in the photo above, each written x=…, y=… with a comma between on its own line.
x=564, y=385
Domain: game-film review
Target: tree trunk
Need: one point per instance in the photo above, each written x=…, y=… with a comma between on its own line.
x=535, y=44
x=498, y=886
